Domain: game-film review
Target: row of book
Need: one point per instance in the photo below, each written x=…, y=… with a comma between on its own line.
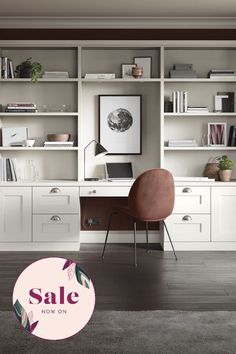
x=180, y=101
x=18, y=107
x=8, y=171
x=6, y=68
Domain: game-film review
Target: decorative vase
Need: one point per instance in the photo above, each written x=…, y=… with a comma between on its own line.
x=225, y=175
x=137, y=72
x=212, y=170
x=25, y=73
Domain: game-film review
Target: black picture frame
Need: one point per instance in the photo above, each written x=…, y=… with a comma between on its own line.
x=120, y=124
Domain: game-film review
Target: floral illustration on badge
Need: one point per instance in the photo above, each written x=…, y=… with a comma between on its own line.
x=53, y=298
x=25, y=319
x=74, y=270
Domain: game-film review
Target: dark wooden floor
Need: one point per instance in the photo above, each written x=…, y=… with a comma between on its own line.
x=197, y=281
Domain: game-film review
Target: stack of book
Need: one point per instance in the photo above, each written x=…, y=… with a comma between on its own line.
x=180, y=101
x=8, y=170
x=222, y=74
x=18, y=107
x=6, y=68
x=55, y=75
x=182, y=143
x=58, y=144
x=197, y=109
x=183, y=71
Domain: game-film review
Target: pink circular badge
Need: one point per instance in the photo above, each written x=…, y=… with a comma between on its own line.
x=53, y=298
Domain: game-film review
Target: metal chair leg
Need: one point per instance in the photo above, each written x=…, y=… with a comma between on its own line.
x=135, y=253
x=108, y=229
x=147, y=244
x=170, y=240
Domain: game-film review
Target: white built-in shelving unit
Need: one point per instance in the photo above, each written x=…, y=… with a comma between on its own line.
x=81, y=96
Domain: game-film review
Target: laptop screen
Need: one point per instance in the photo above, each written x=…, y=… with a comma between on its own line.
x=119, y=170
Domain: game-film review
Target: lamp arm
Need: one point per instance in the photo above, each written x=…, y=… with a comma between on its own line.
x=85, y=153
x=90, y=143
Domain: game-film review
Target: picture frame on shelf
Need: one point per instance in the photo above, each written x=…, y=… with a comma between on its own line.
x=146, y=64
x=120, y=124
x=126, y=71
x=216, y=134
x=14, y=136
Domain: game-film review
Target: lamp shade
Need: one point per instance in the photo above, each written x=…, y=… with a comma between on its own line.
x=100, y=150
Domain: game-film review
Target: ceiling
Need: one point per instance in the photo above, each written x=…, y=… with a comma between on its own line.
x=119, y=8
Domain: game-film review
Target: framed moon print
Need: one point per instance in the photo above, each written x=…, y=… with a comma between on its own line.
x=120, y=124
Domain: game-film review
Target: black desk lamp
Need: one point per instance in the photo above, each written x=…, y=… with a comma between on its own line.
x=99, y=151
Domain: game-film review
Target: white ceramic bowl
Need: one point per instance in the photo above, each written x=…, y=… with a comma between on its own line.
x=29, y=142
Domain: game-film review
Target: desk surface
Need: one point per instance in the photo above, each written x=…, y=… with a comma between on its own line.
x=102, y=183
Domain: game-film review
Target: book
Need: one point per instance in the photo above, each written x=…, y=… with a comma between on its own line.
x=174, y=101
x=11, y=69
x=183, y=74
x=227, y=101
x=232, y=136
x=58, y=144
x=183, y=67
x=100, y=76
x=8, y=170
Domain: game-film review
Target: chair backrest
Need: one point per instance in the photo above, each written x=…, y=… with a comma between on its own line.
x=152, y=195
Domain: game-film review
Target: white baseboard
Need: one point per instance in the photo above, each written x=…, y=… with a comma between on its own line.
x=201, y=246
x=118, y=237
x=39, y=246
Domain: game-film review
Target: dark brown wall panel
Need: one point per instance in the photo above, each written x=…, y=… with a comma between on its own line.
x=118, y=34
x=100, y=207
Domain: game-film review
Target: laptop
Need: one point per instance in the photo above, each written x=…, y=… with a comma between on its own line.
x=119, y=171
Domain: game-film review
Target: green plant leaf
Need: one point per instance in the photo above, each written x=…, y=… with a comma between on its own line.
x=81, y=277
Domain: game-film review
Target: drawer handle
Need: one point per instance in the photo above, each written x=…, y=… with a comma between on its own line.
x=187, y=218
x=187, y=190
x=55, y=190
x=55, y=218
x=93, y=191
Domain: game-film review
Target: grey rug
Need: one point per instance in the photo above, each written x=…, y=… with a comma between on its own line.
x=118, y=332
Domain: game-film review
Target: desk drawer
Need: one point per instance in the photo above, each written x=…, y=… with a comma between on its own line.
x=187, y=228
x=64, y=200
x=192, y=200
x=56, y=228
x=108, y=191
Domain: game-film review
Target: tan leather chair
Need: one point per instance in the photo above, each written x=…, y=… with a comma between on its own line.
x=151, y=198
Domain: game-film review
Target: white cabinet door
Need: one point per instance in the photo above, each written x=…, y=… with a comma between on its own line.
x=188, y=227
x=223, y=213
x=15, y=214
x=190, y=199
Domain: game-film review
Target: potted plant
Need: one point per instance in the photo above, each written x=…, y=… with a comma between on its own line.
x=28, y=69
x=226, y=167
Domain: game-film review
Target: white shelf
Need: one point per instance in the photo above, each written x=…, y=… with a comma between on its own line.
x=40, y=80
x=200, y=148
x=210, y=114
x=123, y=80
x=38, y=114
x=199, y=80
x=36, y=148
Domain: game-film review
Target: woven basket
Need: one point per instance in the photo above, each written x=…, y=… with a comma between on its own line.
x=212, y=169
